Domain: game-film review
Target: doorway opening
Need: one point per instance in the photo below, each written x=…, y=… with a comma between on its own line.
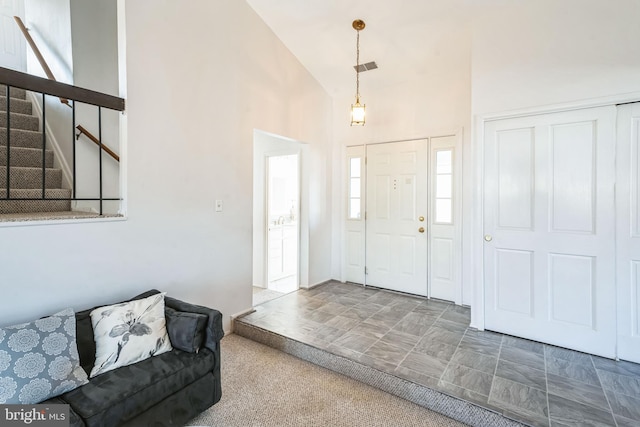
x=282, y=217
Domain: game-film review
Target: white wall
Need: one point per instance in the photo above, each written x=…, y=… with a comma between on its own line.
x=200, y=79
x=528, y=54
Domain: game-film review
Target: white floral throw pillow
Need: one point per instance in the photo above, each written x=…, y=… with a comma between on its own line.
x=39, y=360
x=129, y=332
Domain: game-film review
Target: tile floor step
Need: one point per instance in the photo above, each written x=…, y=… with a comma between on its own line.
x=17, y=105
x=25, y=157
x=22, y=177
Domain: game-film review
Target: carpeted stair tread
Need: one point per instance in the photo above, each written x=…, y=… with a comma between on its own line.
x=21, y=138
x=15, y=92
x=26, y=157
x=50, y=216
x=26, y=177
x=28, y=206
x=26, y=161
x=17, y=105
x=20, y=121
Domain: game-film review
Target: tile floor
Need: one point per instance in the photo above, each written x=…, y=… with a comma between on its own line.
x=430, y=343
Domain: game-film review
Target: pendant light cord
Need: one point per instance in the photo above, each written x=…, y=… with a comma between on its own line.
x=358, y=67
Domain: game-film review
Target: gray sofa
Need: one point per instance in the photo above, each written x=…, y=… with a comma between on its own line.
x=165, y=390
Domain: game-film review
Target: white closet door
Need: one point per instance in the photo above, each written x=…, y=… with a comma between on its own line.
x=549, y=226
x=628, y=232
x=397, y=196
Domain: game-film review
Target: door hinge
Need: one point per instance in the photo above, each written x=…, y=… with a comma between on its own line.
x=366, y=270
x=365, y=215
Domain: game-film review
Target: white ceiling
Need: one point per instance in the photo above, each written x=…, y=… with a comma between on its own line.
x=404, y=37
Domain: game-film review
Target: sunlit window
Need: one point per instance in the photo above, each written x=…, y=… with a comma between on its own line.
x=444, y=185
x=355, y=185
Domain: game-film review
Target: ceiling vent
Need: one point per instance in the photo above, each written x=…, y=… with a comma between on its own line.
x=366, y=67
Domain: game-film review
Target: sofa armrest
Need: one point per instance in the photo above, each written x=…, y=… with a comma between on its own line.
x=213, y=330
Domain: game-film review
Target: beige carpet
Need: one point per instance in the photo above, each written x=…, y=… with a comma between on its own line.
x=262, y=386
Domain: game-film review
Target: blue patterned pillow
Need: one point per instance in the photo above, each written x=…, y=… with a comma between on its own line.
x=39, y=360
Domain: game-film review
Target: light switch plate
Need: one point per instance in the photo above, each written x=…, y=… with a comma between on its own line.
x=218, y=205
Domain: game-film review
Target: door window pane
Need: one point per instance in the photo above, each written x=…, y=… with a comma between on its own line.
x=443, y=186
x=443, y=211
x=443, y=162
x=354, y=167
x=355, y=188
x=443, y=197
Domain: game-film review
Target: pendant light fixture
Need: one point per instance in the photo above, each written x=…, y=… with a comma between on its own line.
x=357, y=109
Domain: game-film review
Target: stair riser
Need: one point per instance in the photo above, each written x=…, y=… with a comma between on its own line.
x=17, y=105
x=29, y=206
x=15, y=92
x=20, y=121
x=21, y=138
x=26, y=157
x=30, y=178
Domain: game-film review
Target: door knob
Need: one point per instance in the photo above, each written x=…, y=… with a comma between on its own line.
x=421, y=229
x=488, y=238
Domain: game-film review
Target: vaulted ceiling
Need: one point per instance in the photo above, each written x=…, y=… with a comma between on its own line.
x=404, y=37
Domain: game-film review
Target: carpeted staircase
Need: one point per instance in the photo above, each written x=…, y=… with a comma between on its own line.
x=25, y=173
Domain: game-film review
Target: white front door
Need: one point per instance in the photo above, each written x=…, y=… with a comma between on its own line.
x=628, y=232
x=396, y=238
x=12, y=44
x=549, y=221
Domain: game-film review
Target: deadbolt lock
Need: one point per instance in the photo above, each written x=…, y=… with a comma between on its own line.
x=421, y=219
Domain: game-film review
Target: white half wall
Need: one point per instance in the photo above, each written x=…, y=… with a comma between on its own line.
x=200, y=79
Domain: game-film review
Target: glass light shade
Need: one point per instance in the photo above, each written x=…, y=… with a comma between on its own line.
x=357, y=114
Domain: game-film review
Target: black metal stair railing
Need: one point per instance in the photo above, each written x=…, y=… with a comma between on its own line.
x=74, y=95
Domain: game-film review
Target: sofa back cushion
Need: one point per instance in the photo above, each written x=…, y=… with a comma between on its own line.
x=186, y=330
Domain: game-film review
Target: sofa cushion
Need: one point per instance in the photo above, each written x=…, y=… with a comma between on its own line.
x=186, y=330
x=119, y=395
x=39, y=360
x=129, y=332
x=84, y=329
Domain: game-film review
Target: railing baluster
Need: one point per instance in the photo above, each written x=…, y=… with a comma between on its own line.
x=73, y=148
x=8, y=140
x=46, y=89
x=100, y=152
x=44, y=144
